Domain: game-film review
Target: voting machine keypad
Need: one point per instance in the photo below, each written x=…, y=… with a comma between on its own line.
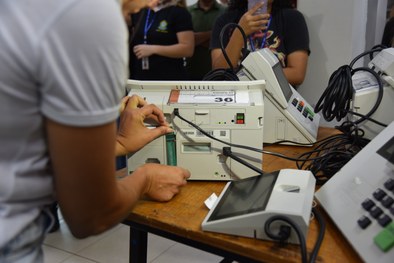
x=303, y=108
x=380, y=208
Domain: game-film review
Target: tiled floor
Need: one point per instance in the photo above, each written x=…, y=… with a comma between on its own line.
x=112, y=247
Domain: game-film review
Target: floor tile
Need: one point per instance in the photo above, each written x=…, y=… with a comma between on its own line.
x=77, y=259
x=113, y=248
x=157, y=246
x=54, y=255
x=63, y=239
x=180, y=253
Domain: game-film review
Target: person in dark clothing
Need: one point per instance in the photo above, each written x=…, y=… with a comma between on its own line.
x=159, y=43
x=388, y=33
x=282, y=29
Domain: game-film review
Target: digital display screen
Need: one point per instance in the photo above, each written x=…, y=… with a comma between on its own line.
x=245, y=196
x=283, y=83
x=387, y=150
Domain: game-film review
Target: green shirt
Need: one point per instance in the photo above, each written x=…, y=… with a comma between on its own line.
x=203, y=21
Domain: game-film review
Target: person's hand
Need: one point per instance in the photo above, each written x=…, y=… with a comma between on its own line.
x=132, y=132
x=252, y=23
x=163, y=181
x=134, y=6
x=143, y=50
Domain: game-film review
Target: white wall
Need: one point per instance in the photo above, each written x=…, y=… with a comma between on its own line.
x=339, y=30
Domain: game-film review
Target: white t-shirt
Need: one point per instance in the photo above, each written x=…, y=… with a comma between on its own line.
x=65, y=60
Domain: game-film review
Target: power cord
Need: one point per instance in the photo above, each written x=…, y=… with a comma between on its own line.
x=227, y=152
x=285, y=232
x=296, y=159
x=331, y=153
x=227, y=73
x=325, y=160
x=335, y=100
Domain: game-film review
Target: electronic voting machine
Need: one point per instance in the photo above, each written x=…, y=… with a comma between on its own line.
x=245, y=206
x=359, y=198
x=288, y=116
x=230, y=111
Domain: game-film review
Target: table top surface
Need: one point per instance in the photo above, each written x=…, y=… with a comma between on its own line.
x=184, y=214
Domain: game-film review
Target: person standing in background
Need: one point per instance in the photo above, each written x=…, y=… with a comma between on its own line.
x=159, y=42
x=282, y=29
x=204, y=14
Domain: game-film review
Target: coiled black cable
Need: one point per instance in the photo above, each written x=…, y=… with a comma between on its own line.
x=228, y=73
x=335, y=101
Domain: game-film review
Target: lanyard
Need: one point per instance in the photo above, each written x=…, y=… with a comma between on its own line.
x=264, y=38
x=148, y=25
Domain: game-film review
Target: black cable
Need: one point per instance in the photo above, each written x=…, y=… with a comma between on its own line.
x=320, y=237
x=223, y=48
x=336, y=99
x=221, y=74
x=227, y=73
x=227, y=152
x=282, y=235
x=177, y=114
x=334, y=152
x=378, y=48
x=368, y=118
x=380, y=94
x=280, y=238
x=328, y=156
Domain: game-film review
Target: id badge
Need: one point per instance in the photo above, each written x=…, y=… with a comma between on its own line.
x=145, y=63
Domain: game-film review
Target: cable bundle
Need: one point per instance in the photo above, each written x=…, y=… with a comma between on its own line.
x=332, y=153
x=335, y=100
x=229, y=73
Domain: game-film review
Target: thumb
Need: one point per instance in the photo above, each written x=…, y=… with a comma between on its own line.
x=161, y=130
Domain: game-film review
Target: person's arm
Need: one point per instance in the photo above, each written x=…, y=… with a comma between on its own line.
x=184, y=47
x=91, y=198
x=295, y=70
x=202, y=38
x=250, y=23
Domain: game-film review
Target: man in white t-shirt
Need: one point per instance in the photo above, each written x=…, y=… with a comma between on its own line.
x=63, y=68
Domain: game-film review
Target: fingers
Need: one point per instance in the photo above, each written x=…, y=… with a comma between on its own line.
x=186, y=173
x=165, y=181
x=132, y=102
x=152, y=111
x=136, y=101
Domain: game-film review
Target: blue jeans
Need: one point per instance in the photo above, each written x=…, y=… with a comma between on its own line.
x=27, y=246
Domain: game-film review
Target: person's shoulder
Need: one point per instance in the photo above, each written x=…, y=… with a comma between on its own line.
x=292, y=13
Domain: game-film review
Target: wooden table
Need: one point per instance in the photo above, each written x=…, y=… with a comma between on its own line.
x=181, y=218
